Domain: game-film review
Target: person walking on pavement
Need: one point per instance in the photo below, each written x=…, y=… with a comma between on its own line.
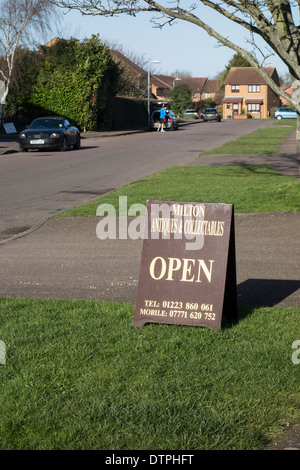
x=162, y=118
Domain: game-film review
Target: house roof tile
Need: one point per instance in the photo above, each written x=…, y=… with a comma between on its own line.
x=195, y=84
x=232, y=99
x=254, y=100
x=211, y=85
x=121, y=58
x=248, y=76
x=162, y=81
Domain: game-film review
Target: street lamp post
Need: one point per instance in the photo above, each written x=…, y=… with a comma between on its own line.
x=148, y=87
x=176, y=80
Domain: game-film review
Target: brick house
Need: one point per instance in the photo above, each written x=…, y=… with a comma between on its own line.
x=288, y=89
x=161, y=86
x=210, y=89
x=134, y=77
x=201, y=87
x=247, y=93
x=195, y=85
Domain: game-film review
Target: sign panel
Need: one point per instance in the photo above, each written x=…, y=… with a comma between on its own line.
x=187, y=272
x=9, y=128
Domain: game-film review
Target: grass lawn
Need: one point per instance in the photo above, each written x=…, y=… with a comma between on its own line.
x=249, y=188
x=79, y=376
x=261, y=141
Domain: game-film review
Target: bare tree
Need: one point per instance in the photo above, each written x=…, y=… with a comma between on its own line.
x=18, y=21
x=140, y=60
x=272, y=20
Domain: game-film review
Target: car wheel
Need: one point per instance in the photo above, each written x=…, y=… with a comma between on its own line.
x=63, y=146
x=279, y=117
x=22, y=149
x=77, y=145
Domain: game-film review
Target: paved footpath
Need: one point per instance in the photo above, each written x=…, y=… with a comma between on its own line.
x=63, y=258
x=286, y=161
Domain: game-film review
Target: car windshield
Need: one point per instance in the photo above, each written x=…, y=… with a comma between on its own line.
x=210, y=111
x=46, y=123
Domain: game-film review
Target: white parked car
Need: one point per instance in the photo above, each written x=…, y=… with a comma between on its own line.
x=190, y=114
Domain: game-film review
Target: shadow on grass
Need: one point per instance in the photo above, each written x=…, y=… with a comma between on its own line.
x=265, y=292
x=255, y=293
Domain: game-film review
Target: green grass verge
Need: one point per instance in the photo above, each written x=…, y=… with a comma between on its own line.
x=249, y=188
x=261, y=141
x=79, y=376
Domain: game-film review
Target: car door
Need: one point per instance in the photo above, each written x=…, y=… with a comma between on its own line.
x=290, y=113
x=70, y=133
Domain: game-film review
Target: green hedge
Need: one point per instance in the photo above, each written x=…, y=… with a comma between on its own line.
x=78, y=80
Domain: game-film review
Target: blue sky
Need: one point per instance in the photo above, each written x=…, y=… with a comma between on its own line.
x=183, y=47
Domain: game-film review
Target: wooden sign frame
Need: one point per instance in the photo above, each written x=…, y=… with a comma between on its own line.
x=188, y=267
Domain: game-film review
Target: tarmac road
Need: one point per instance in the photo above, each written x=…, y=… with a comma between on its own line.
x=65, y=259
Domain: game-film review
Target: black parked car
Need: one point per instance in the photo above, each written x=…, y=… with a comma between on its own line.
x=49, y=133
x=211, y=114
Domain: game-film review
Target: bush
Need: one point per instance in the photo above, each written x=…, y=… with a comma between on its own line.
x=203, y=104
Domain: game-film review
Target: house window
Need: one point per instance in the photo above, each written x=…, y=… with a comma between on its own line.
x=235, y=108
x=253, y=88
x=195, y=95
x=235, y=88
x=253, y=107
x=207, y=95
x=162, y=92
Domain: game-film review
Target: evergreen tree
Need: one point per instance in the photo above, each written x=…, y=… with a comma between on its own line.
x=236, y=61
x=181, y=98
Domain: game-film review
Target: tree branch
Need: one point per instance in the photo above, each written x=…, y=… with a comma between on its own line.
x=272, y=20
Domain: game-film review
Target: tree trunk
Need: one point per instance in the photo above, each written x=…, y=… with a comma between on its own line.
x=1, y=113
x=2, y=102
x=298, y=130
